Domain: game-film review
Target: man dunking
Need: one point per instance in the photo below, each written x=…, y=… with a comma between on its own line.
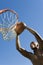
x=37, y=47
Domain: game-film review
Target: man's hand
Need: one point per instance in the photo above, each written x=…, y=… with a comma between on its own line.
x=19, y=27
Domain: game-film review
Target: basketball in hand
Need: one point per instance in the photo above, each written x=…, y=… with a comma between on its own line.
x=19, y=27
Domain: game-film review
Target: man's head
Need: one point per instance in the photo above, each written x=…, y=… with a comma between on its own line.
x=34, y=45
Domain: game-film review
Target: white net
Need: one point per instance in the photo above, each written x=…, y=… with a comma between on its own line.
x=7, y=20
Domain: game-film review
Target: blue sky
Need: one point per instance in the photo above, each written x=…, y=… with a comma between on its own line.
x=30, y=12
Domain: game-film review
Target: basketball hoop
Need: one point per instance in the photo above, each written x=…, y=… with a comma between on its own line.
x=8, y=18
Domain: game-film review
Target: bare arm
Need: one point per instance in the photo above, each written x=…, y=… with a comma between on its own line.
x=25, y=53
x=37, y=36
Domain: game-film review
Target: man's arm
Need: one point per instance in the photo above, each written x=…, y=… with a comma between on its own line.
x=25, y=53
x=37, y=36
